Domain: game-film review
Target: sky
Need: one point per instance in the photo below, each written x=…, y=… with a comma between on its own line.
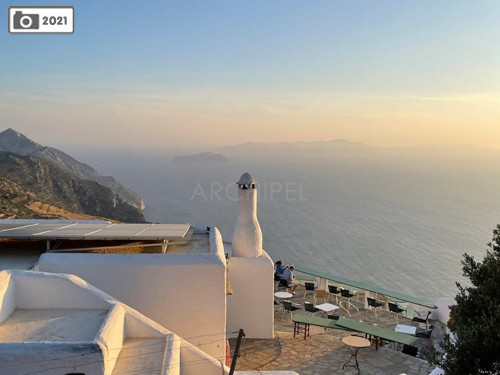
x=207, y=73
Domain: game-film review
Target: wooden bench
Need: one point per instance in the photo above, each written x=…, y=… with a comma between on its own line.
x=377, y=332
x=307, y=320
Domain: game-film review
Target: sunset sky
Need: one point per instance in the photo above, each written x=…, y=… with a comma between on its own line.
x=206, y=73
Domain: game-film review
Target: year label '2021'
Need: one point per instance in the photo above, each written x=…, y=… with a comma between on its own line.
x=42, y=19
x=55, y=20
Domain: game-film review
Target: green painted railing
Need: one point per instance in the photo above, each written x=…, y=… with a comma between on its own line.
x=369, y=286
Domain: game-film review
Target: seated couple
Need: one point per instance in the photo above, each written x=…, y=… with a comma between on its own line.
x=286, y=274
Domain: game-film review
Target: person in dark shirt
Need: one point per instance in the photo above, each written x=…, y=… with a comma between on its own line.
x=278, y=271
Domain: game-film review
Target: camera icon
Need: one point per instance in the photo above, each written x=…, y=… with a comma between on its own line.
x=26, y=21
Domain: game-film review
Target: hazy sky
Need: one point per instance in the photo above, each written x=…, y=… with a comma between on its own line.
x=208, y=73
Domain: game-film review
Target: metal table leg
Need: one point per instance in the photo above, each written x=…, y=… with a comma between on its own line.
x=354, y=354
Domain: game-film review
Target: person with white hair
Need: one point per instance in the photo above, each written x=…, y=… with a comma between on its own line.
x=289, y=276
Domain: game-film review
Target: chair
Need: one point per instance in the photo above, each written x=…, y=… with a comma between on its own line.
x=425, y=333
x=289, y=307
x=410, y=350
x=332, y=317
x=310, y=287
x=309, y=307
x=417, y=319
x=372, y=302
x=345, y=293
x=319, y=293
x=283, y=283
x=395, y=309
x=334, y=290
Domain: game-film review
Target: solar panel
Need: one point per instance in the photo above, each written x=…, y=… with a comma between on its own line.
x=97, y=231
x=26, y=232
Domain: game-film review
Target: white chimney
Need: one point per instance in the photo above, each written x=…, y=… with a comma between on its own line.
x=247, y=236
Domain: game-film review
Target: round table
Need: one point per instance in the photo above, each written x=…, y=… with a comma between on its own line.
x=354, y=343
x=283, y=295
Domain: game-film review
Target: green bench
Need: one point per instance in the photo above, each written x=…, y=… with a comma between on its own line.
x=378, y=332
x=307, y=320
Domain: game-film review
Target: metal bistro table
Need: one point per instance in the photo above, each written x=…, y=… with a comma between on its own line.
x=354, y=343
x=326, y=307
x=410, y=330
x=282, y=296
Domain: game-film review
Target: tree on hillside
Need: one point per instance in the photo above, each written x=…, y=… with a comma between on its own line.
x=475, y=319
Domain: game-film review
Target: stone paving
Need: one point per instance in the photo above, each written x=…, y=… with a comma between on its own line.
x=324, y=353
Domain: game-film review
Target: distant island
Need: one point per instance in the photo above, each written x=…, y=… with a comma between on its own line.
x=204, y=157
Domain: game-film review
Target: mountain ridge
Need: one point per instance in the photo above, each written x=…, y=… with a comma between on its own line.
x=17, y=143
x=31, y=179
x=202, y=157
x=346, y=148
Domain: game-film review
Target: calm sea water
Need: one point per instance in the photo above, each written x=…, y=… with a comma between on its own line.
x=400, y=223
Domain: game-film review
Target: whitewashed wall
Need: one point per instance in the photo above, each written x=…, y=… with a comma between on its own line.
x=185, y=293
x=90, y=358
x=112, y=335
x=31, y=292
x=251, y=305
x=7, y=296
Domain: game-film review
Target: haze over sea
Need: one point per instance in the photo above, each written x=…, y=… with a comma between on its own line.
x=401, y=218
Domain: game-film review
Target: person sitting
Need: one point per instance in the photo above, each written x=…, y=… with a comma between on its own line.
x=278, y=273
x=289, y=276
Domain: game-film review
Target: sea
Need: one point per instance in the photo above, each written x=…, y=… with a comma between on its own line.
x=395, y=219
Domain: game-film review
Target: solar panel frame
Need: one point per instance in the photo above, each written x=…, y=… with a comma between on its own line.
x=98, y=231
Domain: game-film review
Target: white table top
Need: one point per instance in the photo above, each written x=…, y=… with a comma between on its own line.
x=283, y=295
x=406, y=329
x=327, y=307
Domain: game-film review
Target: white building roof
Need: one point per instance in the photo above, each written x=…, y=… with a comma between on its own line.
x=52, y=325
x=59, y=324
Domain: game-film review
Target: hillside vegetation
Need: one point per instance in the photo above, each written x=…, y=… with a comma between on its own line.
x=26, y=180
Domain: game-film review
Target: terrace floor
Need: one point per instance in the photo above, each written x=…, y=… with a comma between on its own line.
x=324, y=353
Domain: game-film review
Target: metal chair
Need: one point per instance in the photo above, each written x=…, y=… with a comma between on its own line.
x=309, y=307
x=373, y=303
x=395, y=309
x=345, y=293
x=310, y=287
x=289, y=307
x=425, y=333
x=417, y=319
x=332, y=317
x=334, y=290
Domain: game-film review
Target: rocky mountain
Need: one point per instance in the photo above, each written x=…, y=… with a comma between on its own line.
x=17, y=203
x=14, y=200
x=204, y=157
x=27, y=183
x=17, y=143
